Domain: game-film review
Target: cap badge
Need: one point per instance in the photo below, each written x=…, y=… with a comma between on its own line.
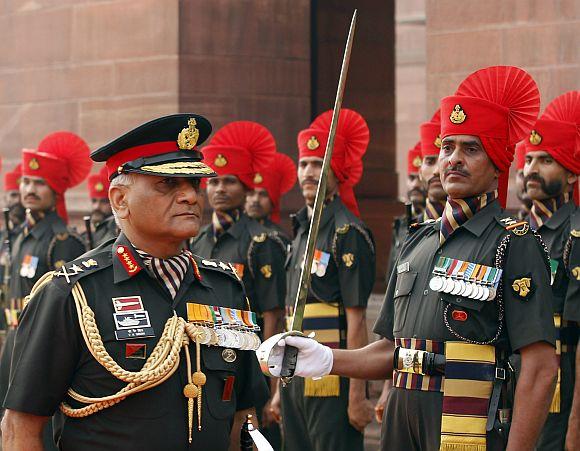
x=220, y=161
x=258, y=178
x=313, y=143
x=99, y=187
x=33, y=164
x=437, y=141
x=457, y=116
x=187, y=138
x=535, y=138
x=417, y=162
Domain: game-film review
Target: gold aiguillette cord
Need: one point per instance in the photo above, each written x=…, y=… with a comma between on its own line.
x=193, y=389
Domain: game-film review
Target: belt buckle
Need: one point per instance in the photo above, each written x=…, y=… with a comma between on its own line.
x=500, y=373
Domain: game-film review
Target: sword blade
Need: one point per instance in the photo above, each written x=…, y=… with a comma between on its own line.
x=290, y=354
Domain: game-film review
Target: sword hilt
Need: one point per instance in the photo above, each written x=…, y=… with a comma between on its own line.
x=289, y=363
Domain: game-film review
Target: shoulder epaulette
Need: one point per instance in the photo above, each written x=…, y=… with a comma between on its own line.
x=218, y=266
x=59, y=248
x=344, y=229
x=517, y=227
x=83, y=266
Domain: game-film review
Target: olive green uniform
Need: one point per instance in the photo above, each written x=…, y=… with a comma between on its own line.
x=320, y=423
x=555, y=232
x=105, y=231
x=411, y=310
x=53, y=357
x=572, y=263
x=262, y=254
x=44, y=248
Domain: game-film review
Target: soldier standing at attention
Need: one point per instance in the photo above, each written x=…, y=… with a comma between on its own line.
x=522, y=195
x=429, y=170
x=416, y=197
x=572, y=313
x=103, y=223
x=468, y=291
x=140, y=345
x=436, y=197
x=15, y=219
x=551, y=177
x=239, y=153
x=263, y=202
x=44, y=243
x=331, y=413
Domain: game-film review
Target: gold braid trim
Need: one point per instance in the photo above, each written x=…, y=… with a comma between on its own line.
x=161, y=364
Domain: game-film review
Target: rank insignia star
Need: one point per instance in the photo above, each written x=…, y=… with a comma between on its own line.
x=348, y=259
x=522, y=287
x=266, y=271
x=576, y=272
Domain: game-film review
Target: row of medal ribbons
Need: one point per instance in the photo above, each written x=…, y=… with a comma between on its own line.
x=224, y=326
x=461, y=278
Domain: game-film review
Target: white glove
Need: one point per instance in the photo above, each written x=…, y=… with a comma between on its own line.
x=314, y=359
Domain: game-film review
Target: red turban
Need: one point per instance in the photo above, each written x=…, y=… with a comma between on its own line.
x=241, y=148
x=62, y=159
x=499, y=105
x=12, y=179
x=558, y=133
x=350, y=144
x=277, y=180
x=431, y=135
x=98, y=184
x=414, y=159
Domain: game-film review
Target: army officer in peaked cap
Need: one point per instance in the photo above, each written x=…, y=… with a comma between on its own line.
x=138, y=345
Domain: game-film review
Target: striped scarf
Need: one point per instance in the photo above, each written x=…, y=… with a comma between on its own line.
x=170, y=272
x=222, y=220
x=458, y=211
x=542, y=210
x=433, y=210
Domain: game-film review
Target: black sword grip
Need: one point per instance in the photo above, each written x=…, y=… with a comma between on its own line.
x=289, y=361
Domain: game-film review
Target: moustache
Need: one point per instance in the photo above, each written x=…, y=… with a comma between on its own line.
x=457, y=169
x=551, y=189
x=309, y=180
x=31, y=196
x=416, y=191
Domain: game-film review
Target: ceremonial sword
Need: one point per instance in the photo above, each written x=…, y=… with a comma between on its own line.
x=290, y=352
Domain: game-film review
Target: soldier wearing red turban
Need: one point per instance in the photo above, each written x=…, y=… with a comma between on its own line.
x=263, y=202
x=102, y=219
x=551, y=174
x=429, y=170
x=343, y=275
x=468, y=291
x=12, y=196
x=522, y=195
x=241, y=153
x=44, y=243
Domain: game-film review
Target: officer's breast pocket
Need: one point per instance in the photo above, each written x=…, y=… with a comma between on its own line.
x=222, y=366
x=470, y=318
x=402, y=296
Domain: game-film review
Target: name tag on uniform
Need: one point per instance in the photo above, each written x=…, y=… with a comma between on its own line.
x=403, y=267
x=131, y=320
